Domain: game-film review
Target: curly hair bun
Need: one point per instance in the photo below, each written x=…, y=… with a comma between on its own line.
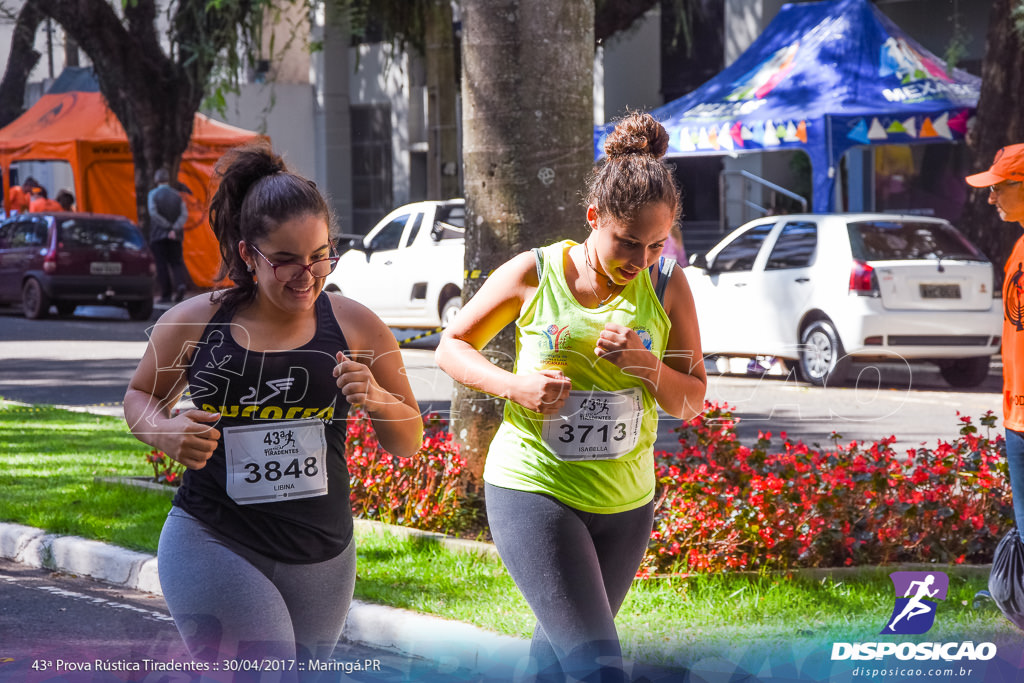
x=637, y=133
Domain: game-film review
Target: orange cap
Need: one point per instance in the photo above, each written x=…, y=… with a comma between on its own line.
x=1007, y=165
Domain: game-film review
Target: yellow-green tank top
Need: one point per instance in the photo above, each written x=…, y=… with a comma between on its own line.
x=554, y=331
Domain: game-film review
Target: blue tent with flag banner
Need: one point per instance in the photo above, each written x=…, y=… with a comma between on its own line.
x=823, y=77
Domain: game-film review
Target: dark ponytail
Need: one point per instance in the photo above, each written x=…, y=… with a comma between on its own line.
x=256, y=194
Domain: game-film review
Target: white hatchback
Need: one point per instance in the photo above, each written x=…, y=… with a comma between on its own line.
x=822, y=290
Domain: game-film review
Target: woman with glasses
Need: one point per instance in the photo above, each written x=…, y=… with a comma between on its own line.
x=256, y=558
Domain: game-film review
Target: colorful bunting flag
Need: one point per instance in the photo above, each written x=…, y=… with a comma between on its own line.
x=859, y=133
x=876, y=131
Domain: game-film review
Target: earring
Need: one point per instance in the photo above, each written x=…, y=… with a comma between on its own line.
x=249, y=267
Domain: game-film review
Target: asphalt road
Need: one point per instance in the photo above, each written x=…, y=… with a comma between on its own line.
x=59, y=627
x=87, y=361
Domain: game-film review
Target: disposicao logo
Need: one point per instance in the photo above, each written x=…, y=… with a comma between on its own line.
x=917, y=594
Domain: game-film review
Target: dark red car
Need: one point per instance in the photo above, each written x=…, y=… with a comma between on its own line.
x=75, y=259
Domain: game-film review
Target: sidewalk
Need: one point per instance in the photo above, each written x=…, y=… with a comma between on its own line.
x=403, y=631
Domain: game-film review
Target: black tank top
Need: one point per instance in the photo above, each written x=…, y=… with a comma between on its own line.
x=247, y=387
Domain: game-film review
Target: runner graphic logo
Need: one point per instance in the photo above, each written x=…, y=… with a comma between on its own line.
x=917, y=596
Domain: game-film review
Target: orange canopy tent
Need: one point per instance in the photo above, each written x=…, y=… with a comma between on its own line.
x=72, y=123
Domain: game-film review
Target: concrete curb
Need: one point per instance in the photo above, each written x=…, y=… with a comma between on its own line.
x=74, y=555
x=405, y=631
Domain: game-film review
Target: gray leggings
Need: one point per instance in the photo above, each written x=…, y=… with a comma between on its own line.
x=574, y=569
x=230, y=602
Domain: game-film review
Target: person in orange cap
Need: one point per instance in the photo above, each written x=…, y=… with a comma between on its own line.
x=1005, y=183
x=41, y=202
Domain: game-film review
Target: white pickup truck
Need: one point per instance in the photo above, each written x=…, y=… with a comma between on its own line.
x=409, y=267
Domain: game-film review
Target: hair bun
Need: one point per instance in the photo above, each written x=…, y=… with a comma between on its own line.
x=637, y=133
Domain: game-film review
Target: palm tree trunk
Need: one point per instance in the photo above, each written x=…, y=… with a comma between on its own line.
x=527, y=92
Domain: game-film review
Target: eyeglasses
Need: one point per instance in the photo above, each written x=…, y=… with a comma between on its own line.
x=995, y=189
x=286, y=272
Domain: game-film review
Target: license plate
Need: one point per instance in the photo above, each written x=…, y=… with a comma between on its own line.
x=105, y=267
x=940, y=291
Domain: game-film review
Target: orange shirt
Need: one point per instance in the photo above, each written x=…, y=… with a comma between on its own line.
x=1013, y=340
x=17, y=200
x=44, y=204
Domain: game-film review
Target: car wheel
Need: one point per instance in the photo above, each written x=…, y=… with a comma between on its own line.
x=450, y=309
x=140, y=310
x=822, y=359
x=66, y=309
x=964, y=373
x=34, y=301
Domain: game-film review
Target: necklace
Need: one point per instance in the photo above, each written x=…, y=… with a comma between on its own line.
x=608, y=281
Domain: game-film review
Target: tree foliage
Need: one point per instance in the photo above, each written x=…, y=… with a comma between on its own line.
x=154, y=81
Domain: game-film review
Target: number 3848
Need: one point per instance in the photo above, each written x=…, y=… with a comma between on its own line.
x=271, y=470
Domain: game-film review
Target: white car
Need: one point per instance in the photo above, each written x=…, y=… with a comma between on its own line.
x=822, y=290
x=409, y=267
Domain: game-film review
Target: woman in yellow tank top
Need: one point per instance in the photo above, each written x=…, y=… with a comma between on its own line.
x=606, y=332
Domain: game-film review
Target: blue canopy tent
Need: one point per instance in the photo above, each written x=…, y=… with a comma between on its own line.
x=823, y=77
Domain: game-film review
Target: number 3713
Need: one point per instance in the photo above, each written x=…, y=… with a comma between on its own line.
x=580, y=433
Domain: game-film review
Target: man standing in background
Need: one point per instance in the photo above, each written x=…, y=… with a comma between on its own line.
x=167, y=215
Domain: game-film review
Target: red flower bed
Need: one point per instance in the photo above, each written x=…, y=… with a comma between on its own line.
x=421, y=491
x=165, y=470
x=722, y=505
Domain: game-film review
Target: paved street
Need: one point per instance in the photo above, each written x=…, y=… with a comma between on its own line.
x=56, y=626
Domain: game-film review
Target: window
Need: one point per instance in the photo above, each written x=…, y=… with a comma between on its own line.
x=739, y=255
x=450, y=223
x=29, y=233
x=903, y=240
x=6, y=231
x=371, y=165
x=390, y=236
x=78, y=232
x=795, y=247
x=415, y=230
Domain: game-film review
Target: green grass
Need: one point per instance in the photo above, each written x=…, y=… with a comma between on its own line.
x=49, y=459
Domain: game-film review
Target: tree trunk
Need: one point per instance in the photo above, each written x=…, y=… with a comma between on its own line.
x=999, y=121
x=527, y=92
x=442, y=123
x=22, y=59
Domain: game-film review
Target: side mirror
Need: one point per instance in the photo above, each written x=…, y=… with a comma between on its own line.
x=699, y=261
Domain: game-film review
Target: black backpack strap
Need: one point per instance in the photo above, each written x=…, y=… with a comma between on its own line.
x=539, y=255
x=665, y=268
